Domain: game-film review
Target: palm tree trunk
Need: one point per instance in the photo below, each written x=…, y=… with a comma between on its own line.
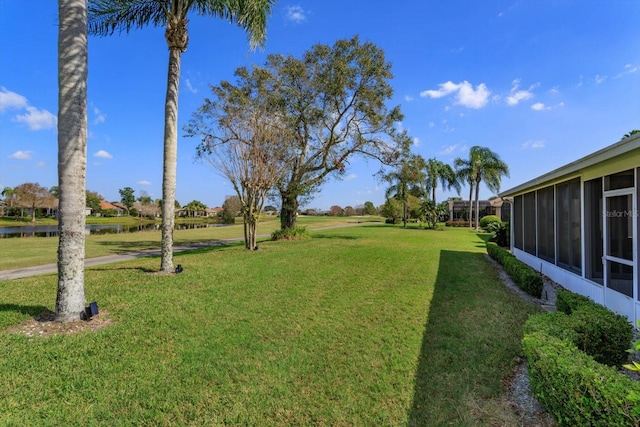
x=170, y=159
x=477, y=205
x=470, y=205
x=72, y=157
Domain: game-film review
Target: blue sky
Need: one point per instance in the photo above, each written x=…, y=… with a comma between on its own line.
x=540, y=82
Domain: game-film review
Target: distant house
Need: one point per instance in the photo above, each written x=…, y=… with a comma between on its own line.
x=214, y=211
x=459, y=209
x=579, y=225
x=112, y=208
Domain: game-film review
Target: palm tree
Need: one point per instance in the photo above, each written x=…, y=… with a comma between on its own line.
x=72, y=157
x=106, y=16
x=409, y=172
x=483, y=164
x=8, y=193
x=465, y=173
x=439, y=171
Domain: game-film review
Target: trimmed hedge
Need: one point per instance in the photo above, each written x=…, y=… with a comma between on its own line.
x=526, y=279
x=575, y=388
x=567, y=301
x=457, y=223
x=595, y=330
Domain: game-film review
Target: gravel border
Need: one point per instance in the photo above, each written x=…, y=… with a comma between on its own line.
x=519, y=392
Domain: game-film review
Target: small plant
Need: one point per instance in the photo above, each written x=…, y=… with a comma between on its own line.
x=500, y=232
x=297, y=233
x=635, y=348
x=488, y=219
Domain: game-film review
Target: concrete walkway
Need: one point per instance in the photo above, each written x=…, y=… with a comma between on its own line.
x=19, y=273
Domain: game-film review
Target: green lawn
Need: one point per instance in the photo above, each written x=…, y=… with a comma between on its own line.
x=358, y=326
x=26, y=252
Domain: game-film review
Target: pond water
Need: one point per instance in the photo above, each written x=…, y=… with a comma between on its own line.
x=52, y=230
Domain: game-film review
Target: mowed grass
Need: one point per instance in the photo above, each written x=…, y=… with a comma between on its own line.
x=358, y=326
x=31, y=251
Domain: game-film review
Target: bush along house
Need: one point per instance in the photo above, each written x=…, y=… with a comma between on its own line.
x=579, y=224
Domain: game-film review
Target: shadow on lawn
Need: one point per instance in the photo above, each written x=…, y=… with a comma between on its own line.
x=443, y=379
x=31, y=310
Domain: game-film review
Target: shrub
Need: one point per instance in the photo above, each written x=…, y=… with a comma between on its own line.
x=488, y=219
x=297, y=233
x=457, y=223
x=526, y=279
x=501, y=233
x=575, y=388
x=597, y=331
x=567, y=301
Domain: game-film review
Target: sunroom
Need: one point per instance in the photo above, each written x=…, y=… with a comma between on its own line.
x=579, y=224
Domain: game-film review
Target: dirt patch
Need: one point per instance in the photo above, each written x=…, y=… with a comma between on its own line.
x=44, y=326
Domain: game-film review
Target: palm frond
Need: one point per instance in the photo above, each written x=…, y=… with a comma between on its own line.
x=108, y=16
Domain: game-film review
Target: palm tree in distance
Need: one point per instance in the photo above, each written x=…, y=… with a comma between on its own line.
x=107, y=16
x=408, y=173
x=482, y=165
x=465, y=173
x=439, y=171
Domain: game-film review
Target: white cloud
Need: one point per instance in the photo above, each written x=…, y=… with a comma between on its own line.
x=416, y=141
x=21, y=155
x=41, y=165
x=408, y=98
x=37, y=119
x=431, y=124
x=296, y=14
x=350, y=177
x=10, y=99
x=102, y=154
x=143, y=182
x=519, y=95
x=533, y=144
x=628, y=69
x=466, y=95
x=448, y=150
x=539, y=106
x=599, y=79
x=190, y=88
x=100, y=116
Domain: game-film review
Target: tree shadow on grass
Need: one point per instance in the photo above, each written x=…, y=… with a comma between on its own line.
x=458, y=344
x=334, y=237
x=30, y=310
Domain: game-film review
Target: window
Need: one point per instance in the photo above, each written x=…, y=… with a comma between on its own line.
x=568, y=231
x=593, y=230
x=530, y=223
x=619, y=180
x=517, y=222
x=546, y=225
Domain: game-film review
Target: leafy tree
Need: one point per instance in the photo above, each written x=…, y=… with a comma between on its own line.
x=242, y=142
x=482, y=165
x=429, y=211
x=437, y=171
x=93, y=200
x=232, y=207
x=407, y=172
x=331, y=105
x=31, y=195
x=72, y=157
x=144, y=198
x=127, y=197
x=336, y=210
x=370, y=209
x=106, y=16
x=349, y=211
x=54, y=191
x=393, y=210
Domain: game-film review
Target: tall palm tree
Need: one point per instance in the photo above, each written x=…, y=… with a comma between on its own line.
x=106, y=16
x=72, y=156
x=8, y=193
x=465, y=173
x=442, y=172
x=482, y=165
